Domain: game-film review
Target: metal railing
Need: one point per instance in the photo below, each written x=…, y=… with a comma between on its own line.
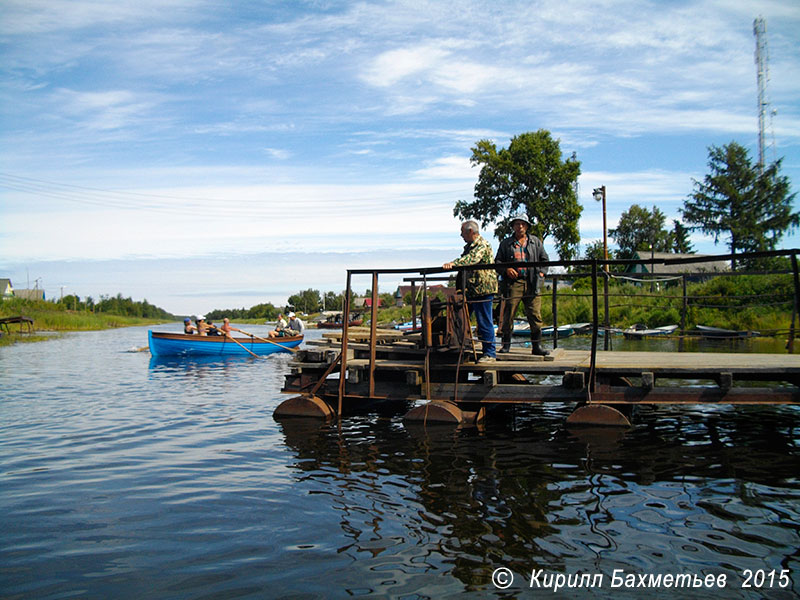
x=596, y=268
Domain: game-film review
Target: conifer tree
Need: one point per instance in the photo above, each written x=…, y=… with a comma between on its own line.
x=750, y=206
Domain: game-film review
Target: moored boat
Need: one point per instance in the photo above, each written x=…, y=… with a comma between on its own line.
x=408, y=326
x=521, y=327
x=580, y=328
x=563, y=331
x=720, y=333
x=166, y=344
x=334, y=320
x=641, y=331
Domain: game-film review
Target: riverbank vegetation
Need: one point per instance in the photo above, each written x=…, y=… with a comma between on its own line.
x=73, y=314
x=760, y=303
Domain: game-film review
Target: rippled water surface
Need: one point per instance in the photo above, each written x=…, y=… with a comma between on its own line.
x=123, y=476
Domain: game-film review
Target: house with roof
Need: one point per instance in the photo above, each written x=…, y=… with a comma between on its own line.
x=653, y=266
x=6, y=288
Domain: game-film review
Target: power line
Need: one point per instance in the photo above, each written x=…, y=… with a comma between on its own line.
x=272, y=207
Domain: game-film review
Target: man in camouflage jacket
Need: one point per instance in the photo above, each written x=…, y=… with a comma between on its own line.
x=481, y=285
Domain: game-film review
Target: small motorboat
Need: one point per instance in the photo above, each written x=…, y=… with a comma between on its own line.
x=580, y=328
x=563, y=331
x=334, y=320
x=408, y=326
x=720, y=333
x=166, y=344
x=521, y=327
x=641, y=331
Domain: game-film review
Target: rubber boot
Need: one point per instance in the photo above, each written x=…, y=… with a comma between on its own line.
x=506, y=347
x=536, y=344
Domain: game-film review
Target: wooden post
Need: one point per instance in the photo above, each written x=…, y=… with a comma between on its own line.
x=555, y=312
x=373, y=339
x=593, y=360
x=790, y=343
x=684, y=310
x=607, y=318
x=427, y=332
x=413, y=305
x=343, y=350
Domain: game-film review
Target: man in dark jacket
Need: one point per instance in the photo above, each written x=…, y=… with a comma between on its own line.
x=522, y=284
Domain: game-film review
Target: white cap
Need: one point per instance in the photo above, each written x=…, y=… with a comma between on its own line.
x=291, y=315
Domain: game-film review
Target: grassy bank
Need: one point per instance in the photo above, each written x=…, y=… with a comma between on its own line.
x=746, y=302
x=51, y=317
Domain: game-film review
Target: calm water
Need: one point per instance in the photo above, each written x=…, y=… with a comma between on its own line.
x=126, y=477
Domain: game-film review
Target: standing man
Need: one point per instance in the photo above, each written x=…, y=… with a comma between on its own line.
x=523, y=284
x=481, y=285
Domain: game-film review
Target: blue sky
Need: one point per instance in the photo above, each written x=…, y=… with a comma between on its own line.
x=219, y=154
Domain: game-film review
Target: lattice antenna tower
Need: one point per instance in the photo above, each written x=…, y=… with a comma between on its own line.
x=762, y=71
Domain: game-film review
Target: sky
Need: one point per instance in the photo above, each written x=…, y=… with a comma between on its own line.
x=213, y=154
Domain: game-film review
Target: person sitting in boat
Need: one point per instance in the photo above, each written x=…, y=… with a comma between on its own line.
x=280, y=327
x=227, y=327
x=296, y=326
x=212, y=329
x=202, y=326
x=188, y=327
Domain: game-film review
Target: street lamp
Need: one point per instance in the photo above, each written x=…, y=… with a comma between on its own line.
x=600, y=195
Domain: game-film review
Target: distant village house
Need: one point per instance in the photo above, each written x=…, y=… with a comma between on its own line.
x=652, y=265
x=6, y=289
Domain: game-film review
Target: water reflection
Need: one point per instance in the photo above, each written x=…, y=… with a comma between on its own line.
x=129, y=478
x=677, y=494
x=196, y=366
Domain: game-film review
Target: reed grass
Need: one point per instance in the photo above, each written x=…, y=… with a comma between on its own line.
x=48, y=316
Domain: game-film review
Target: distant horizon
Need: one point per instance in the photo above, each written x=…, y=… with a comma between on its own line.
x=244, y=267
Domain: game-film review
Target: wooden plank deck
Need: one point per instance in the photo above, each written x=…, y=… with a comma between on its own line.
x=688, y=365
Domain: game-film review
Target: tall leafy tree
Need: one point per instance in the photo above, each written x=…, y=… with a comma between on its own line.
x=750, y=206
x=529, y=176
x=307, y=301
x=596, y=251
x=640, y=228
x=334, y=301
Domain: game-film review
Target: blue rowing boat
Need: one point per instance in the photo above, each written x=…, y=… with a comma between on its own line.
x=167, y=344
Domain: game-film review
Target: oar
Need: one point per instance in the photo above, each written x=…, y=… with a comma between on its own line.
x=269, y=341
x=235, y=341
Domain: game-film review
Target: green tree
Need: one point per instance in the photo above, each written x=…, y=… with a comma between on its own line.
x=680, y=238
x=264, y=311
x=529, y=176
x=595, y=251
x=306, y=301
x=638, y=229
x=334, y=301
x=752, y=207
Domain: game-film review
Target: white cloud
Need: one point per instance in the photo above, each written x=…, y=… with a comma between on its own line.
x=351, y=124
x=448, y=167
